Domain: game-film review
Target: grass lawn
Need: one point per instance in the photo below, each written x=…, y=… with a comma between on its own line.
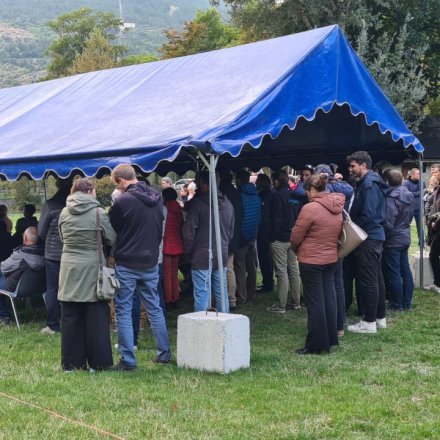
x=383, y=386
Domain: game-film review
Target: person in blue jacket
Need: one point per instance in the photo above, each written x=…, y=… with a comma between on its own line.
x=368, y=212
x=346, y=190
x=395, y=263
x=245, y=258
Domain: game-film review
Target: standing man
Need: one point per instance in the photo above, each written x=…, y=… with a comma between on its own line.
x=245, y=258
x=413, y=185
x=195, y=233
x=48, y=232
x=166, y=182
x=368, y=212
x=395, y=264
x=137, y=218
x=285, y=210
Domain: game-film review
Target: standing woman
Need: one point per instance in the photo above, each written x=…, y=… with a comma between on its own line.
x=314, y=238
x=172, y=247
x=85, y=321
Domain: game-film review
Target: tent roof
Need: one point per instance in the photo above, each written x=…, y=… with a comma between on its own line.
x=221, y=101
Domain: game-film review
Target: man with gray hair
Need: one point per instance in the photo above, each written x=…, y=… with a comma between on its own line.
x=166, y=182
x=29, y=255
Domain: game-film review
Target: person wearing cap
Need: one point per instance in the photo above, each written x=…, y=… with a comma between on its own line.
x=346, y=190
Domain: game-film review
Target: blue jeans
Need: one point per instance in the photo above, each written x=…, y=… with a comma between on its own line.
x=398, y=277
x=144, y=282
x=202, y=280
x=51, y=296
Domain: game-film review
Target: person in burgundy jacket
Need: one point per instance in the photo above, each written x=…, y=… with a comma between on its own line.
x=314, y=238
x=172, y=246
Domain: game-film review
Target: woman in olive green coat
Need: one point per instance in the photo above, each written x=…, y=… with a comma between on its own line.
x=85, y=321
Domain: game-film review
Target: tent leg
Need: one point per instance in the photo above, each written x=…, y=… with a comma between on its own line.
x=421, y=209
x=214, y=194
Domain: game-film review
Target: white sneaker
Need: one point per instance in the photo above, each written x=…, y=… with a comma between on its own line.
x=432, y=287
x=47, y=331
x=381, y=323
x=363, y=327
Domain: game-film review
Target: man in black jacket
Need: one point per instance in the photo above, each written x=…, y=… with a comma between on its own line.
x=48, y=232
x=285, y=211
x=137, y=218
x=195, y=234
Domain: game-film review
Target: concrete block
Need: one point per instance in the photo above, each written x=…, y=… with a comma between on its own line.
x=213, y=342
x=414, y=262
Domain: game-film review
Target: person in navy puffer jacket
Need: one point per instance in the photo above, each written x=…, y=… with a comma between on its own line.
x=395, y=263
x=346, y=190
x=245, y=257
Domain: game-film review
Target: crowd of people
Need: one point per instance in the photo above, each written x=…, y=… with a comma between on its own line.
x=289, y=229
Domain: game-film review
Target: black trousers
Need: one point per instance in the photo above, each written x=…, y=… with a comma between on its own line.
x=434, y=258
x=85, y=335
x=265, y=261
x=349, y=274
x=369, y=275
x=320, y=298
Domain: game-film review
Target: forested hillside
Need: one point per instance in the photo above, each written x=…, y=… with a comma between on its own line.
x=24, y=36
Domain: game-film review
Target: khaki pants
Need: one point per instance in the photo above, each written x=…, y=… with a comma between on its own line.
x=232, y=284
x=245, y=268
x=286, y=271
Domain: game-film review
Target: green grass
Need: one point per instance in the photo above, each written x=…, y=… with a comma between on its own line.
x=383, y=386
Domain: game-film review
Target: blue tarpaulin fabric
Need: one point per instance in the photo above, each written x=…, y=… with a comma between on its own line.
x=216, y=101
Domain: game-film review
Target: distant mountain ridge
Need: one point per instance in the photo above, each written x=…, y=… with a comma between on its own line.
x=24, y=36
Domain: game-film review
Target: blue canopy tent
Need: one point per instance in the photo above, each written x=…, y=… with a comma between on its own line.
x=271, y=102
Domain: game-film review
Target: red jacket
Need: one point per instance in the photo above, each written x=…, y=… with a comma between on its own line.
x=172, y=239
x=316, y=232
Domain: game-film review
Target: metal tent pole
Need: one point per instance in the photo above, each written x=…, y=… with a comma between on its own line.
x=421, y=208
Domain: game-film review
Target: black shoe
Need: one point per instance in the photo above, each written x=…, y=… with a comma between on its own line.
x=157, y=360
x=306, y=350
x=122, y=366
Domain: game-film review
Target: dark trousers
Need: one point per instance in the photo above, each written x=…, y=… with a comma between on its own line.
x=369, y=274
x=398, y=277
x=340, y=295
x=265, y=261
x=349, y=275
x=85, y=335
x=419, y=226
x=51, y=295
x=434, y=259
x=4, y=310
x=320, y=298
x=245, y=269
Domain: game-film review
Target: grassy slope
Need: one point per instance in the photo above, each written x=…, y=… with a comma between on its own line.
x=372, y=386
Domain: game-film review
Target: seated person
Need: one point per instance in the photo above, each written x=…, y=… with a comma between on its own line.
x=29, y=255
x=6, y=244
x=24, y=222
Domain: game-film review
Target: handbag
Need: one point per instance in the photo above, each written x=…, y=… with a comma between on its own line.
x=351, y=236
x=107, y=284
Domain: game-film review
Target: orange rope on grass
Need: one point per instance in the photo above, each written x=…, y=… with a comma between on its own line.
x=60, y=416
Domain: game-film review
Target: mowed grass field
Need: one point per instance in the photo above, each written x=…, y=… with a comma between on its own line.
x=383, y=386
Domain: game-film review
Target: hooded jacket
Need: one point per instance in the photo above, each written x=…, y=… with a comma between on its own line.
x=251, y=211
x=342, y=188
x=23, y=257
x=195, y=231
x=137, y=218
x=286, y=205
x=316, y=232
x=48, y=225
x=80, y=259
x=398, y=217
x=172, y=238
x=368, y=208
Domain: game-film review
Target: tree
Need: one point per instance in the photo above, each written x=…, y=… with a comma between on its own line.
x=74, y=29
x=97, y=54
x=206, y=32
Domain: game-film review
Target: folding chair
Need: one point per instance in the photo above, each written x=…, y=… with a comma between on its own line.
x=32, y=282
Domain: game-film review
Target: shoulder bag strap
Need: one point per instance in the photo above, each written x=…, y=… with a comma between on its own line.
x=99, y=238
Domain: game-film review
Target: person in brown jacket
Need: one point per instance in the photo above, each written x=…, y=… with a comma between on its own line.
x=314, y=238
